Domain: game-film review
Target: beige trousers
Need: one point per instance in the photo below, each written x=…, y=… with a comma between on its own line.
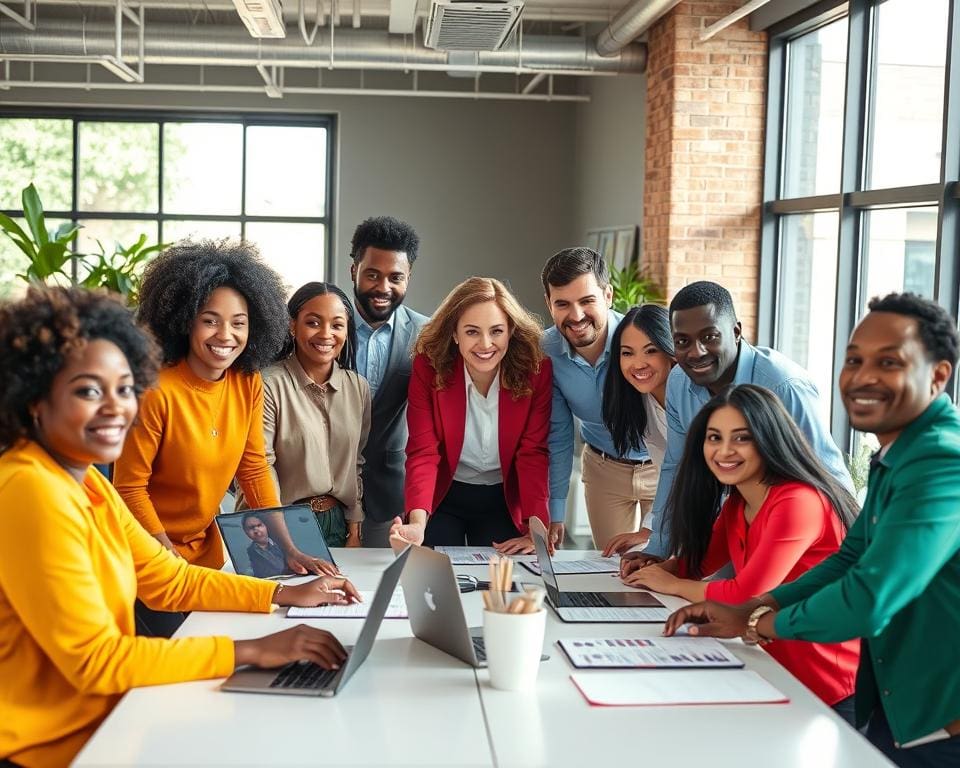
x=618, y=495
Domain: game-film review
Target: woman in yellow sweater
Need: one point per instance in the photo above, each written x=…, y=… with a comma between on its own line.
x=72, y=558
x=219, y=315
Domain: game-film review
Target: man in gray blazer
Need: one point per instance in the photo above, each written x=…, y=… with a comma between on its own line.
x=383, y=251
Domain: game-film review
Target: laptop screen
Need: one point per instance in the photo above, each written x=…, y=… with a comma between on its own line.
x=252, y=549
x=543, y=557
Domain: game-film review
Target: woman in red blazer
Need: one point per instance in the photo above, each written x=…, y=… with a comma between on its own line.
x=478, y=415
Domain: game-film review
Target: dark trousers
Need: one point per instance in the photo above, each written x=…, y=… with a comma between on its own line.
x=936, y=754
x=847, y=711
x=473, y=514
x=8, y=764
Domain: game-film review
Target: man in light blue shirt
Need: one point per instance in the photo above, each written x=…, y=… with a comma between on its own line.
x=382, y=252
x=619, y=489
x=712, y=354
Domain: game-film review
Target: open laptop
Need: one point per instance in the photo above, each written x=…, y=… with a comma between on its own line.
x=606, y=607
x=243, y=535
x=432, y=595
x=304, y=678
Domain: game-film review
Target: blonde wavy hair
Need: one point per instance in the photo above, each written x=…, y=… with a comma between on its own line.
x=523, y=356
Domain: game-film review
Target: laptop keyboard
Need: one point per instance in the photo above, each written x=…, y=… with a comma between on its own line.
x=479, y=648
x=304, y=675
x=584, y=600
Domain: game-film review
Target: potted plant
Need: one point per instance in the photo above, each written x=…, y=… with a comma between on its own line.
x=48, y=253
x=631, y=287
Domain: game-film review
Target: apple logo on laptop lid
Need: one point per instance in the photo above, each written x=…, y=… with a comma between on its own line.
x=428, y=599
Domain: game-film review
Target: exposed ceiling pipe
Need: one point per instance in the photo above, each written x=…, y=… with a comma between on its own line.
x=217, y=45
x=630, y=23
x=732, y=18
x=296, y=90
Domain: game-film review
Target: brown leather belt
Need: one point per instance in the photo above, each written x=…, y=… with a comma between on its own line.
x=618, y=460
x=321, y=503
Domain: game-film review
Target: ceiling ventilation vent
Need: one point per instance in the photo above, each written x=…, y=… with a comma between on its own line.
x=262, y=18
x=471, y=26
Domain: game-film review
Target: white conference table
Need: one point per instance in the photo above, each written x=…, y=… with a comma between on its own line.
x=410, y=704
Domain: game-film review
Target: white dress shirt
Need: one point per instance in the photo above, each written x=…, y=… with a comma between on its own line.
x=480, y=457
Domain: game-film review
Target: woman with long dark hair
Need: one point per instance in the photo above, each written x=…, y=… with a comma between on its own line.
x=641, y=355
x=751, y=492
x=316, y=413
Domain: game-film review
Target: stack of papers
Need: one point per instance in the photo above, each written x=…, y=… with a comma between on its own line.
x=657, y=689
x=477, y=555
x=587, y=565
x=649, y=653
x=396, y=610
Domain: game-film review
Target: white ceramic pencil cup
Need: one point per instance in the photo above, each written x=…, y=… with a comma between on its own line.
x=514, y=642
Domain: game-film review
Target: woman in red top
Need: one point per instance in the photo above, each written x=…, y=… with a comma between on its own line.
x=479, y=413
x=784, y=514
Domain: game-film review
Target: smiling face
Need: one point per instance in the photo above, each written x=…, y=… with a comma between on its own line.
x=642, y=362
x=92, y=402
x=579, y=310
x=319, y=332
x=219, y=334
x=887, y=379
x=255, y=530
x=729, y=449
x=379, y=283
x=483, y=335
x=706, y=345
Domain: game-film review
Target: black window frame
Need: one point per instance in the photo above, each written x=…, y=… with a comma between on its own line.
x=851, y=202
x=161, y=117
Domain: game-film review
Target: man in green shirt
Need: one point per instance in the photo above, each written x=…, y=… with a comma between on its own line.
x=895, y=582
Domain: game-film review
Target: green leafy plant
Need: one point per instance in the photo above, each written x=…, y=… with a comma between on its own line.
x=119, y=271
x=48, y=253
x=631, y=287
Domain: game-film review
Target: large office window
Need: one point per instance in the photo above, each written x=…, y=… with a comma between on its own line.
x=860, y=185
x=119, y=176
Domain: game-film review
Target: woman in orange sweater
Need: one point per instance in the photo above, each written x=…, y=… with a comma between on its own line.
x=219, y=315
x=72, y=558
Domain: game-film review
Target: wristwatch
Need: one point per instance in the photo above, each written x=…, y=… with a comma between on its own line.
x=751, y=636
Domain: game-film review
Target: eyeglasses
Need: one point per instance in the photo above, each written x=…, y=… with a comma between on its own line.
x=468, y=583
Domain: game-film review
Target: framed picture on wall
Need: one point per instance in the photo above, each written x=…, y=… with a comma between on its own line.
x=617, y=245
x=624, y=247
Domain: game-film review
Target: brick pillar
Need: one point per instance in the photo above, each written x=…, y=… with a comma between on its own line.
x=704, y=153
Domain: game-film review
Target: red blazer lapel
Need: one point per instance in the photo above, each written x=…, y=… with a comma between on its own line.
x=513, y=417
x=452, y=404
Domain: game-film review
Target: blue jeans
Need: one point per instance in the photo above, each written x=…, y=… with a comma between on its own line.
x=936, y=754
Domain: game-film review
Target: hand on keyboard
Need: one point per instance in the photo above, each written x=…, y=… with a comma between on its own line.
x=297, y=644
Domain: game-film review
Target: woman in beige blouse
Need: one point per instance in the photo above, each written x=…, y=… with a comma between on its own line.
x=316, y=413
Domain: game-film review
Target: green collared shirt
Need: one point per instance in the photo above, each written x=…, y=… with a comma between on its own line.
x=895, y=582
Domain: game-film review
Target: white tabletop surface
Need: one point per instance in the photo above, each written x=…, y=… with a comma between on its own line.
x=410, y=704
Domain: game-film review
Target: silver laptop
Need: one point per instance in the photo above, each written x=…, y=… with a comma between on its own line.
x=584, y=607
x=254, y=553
x=432, y=595
x=304, y=678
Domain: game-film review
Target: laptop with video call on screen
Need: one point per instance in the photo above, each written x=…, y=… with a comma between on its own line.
x=586, y=607
x=304, y=531
x=304, y=678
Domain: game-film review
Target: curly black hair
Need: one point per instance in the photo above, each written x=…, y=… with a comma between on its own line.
x=938, y=330
x=701, y=293
x=38, y=333
x=386, y=233
x=179, y=281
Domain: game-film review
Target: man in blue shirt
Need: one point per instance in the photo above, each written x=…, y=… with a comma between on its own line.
x=383, y=251
x=618, y=488
x=711, y=353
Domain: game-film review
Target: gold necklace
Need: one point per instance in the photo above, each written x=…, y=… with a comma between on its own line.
x=216, y=416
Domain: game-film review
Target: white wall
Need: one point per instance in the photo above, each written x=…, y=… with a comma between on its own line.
x=611, y=131
x=488, y=185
